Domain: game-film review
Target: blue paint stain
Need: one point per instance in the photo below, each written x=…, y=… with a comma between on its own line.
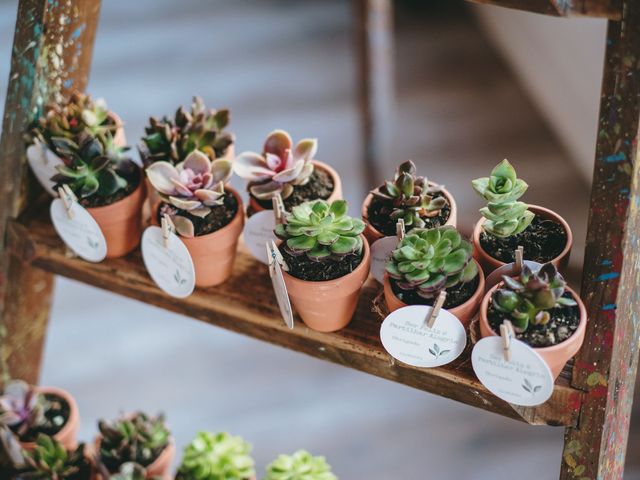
x=606, y=262
x=615, y=158
x=67, y=83
x=607, y=276
x=609, y=306
x=77, y=32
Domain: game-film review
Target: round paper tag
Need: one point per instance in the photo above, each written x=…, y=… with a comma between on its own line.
x=79, y=231
x=380, y=254
x=43, y=165
x=170, y=267
x=525, y=380
x=508, y=269
x=258, y=230
x=406, y=337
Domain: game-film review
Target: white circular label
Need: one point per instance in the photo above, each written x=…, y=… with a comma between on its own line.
x=43, y=165
x=79, y=231
x=509, y=269
x=524, y=380
x=407, y=338
x=380, y=255
x=258, y=230
x=170, y=267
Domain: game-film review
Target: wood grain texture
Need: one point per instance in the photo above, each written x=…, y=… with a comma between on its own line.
x=245, y=304
x=606, y=366
x=563, y=8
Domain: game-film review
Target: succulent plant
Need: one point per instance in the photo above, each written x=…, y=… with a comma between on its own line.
x=194, y=186
x=21, y=407
x=279, y=168
x=136, y=438
x=130, y=471
x=430, y=260
x=411, y=196
x=504, y=214
x=11, y=454
x=299, y=466
x=528, y=298
x=50, y=461
x=89, y=169
x=217, y=456
x=172, y=140
x=321, y=231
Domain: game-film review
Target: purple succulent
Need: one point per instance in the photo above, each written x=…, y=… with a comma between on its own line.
x=20, y=406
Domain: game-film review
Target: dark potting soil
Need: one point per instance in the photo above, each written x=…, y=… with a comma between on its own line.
x=133, y=180
x=455, y=296
x=563, y=323
x=379, y=215
x=220, y=216
x=319, y=186
x=301, y=267
x=56, y=413
x=543, y=241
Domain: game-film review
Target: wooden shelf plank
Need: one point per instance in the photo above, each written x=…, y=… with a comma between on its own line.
x=611, y=9
x=245, y=304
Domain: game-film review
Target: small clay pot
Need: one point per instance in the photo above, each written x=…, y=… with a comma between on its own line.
x=489, y=264
x=255, y=207
x=121, y=222
x=556, y=356
x=213, y=254
x=160, y=467
x=465, y=312
x=68, y=435
x=327, y=306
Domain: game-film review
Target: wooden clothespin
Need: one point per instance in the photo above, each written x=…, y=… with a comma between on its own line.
x=400, y=229
x=276, y=265
x=435, y=310
x=68, y=197
x=278, y=208
x=274, y=256
x=507, y=333
x=519, y=259
x=167, y=229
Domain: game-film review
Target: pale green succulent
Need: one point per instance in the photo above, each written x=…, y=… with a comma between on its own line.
x=299, y=466
x=505, y=215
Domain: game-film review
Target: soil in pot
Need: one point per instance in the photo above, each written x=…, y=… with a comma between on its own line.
x=56, y=414
x=133, y=180
x=319, y=186
x=563, y=323
x=301, y=267
x=379, y=216
x=220, y=216
x=543, y=241
x=455, y=296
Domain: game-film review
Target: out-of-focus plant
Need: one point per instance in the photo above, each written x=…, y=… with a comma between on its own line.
x=21, y=407
x=299, y=466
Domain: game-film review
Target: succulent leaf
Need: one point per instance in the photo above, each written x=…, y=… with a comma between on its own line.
x=21, y=406
x=49, y=460
x=299, y=466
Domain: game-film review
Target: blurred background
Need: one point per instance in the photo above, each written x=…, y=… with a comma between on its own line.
x=473, y=85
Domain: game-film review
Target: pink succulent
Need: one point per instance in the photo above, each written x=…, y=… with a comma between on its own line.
x=20, y=406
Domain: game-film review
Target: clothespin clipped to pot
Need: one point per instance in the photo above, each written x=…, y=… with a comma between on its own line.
x=400, y=229
x=435, y=310
x=519, y=260
x=167, y=229
x=68, y=197
x=278, y=208
x=507, y=333
x=276, y=266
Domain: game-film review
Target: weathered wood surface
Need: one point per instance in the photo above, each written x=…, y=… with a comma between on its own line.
x=563, y=8
x=245, y=304
x=606, y=366
x=51, y=55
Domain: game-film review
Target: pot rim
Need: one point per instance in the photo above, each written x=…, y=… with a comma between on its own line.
x=73, y=417
x=537, y=209
x=582, y=325
x=169, y=449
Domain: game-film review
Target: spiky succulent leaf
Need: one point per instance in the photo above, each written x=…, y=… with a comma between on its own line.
x=299, y=466
x=49, y=460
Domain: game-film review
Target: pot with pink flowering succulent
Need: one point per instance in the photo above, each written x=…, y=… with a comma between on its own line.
x=288, y=171
x=207, y=214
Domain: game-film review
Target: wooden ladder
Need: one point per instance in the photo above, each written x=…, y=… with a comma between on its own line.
x=592, y=398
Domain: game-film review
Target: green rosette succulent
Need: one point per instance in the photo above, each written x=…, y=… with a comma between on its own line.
x=217, y=456
x=528, y=298
x=50, y=461
x=411, y=196
x=430, y=260
x=321, y=231
x=505, y=215
x=299, y=466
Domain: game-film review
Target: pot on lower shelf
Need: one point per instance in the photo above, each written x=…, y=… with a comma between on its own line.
x=327, y=306
x=254, y=205
x=489, y=263
x=464, y=312
x=68, y=434
x=372, y=234
x=121, y=222
x=159, y=468
x=555, y=356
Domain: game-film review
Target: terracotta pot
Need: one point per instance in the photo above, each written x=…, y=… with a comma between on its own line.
x=213, y=254
x=254, y=206
x=68, y=435
x=465, y=312
x=489, y=263
x=121, y=222
x=160, y=467
x=328, y=306
x=372, y=233
x=556, y=356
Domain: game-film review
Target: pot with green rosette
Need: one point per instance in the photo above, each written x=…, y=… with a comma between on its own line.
x=299, y=466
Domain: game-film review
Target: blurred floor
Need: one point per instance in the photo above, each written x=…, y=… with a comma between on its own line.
x=289, y=64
